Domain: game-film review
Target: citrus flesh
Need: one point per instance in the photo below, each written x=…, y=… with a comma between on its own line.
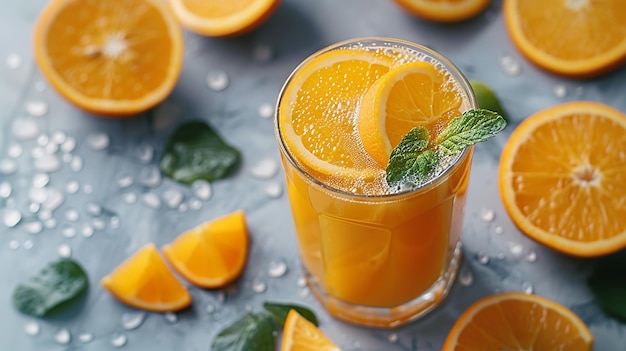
x=213, y=254
x=444, y=10
x=223, y=18
x=518, y=321
x=562, y=178
x=577, y=38
x=301, y=335
x=145, y=281
x=114, y=57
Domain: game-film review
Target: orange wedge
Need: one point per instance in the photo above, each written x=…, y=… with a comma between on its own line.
x=144, y=281
x=570, y=38
x=213, y=254
x=444, y=10
x=113, y=57
x=410, y=95
x=218, y=18
x=518, y=321
x=301, y=335
x=563, y=178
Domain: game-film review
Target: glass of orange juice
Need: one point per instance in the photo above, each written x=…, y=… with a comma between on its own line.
x=372, y=254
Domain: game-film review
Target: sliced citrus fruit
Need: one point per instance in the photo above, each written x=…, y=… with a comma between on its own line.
x=145, y=281
x=213, y=254
x=563, y=178
x=301, y=335
x=223, y=18
x=114, y=57
x=444, y=10
x=576, y=38
x=315, y=114
x=518, y=321
x=410, y=95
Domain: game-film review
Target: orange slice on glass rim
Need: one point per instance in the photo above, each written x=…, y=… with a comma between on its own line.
x=444, y=10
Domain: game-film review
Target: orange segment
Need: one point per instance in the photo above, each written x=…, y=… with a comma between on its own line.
x=518, y=321
x=113, y=57
x=563, y=178
x=223, y=18
x=577, y=38
x=410, y=95
x=301, y=335
x=144, y=281
x=212, y=254
x=444, y=10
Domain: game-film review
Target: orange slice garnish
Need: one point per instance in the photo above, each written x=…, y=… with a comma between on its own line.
x=144, y=281
x=444, y=10
x=563, y=178
x=301, y=335
x=213, y=254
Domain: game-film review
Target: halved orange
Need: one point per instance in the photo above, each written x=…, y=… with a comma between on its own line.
x=223, y=18
x=444, y=10
x=518, y=321
x=145, y=281
x=316, y=110
x=212, y=254
x=410, y=95
x=563, y=178
x=571, y=38
x=113, y=57
x=301, y=335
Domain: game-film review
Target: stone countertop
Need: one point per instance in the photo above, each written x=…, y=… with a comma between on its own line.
x=101, y=196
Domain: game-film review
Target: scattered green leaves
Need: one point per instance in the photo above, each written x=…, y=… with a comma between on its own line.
x=279, y=312
x=487, y=99
x=195, y=151
x=609, y=288
x=58, y=283
x=413, y=161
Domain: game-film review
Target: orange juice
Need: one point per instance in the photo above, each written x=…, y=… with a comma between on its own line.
x=372, y=255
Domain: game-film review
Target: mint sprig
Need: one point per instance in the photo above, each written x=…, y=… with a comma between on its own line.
x=412, y=162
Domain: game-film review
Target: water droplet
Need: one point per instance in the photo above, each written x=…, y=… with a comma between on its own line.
x=487, y=215
x=151, y=200
x=47, y=163
x=5, y=190
x=50, y=223
x=8, y=166
x=87, y=231
x=274, y=190
x=63, y=336
x=25, y=128
x=114, y=222
x=130, y=198
x=36, y=108
x=76, y=164
x=217, y=80
x=68, y=232
x=51, y=148
x=183, y=207
x=32, y=328
x=466, y=277
x=34, y=227
x=560, y=91
x=150, y=176
x=171, y=317
x=262, y=53
x=42, y=140
x=277, y=269
x=15, y=151
x=305, y=292
x=259, y=286
x=266, y=168
x=531, y=256
x=516, y=249
x=98, y=141
x=510, y=66
x=68, y=145
x=125, y=182
x=301, y=282
x=64, y=250
x=14, y=244
x=85, y=338
x=173, y=198
x=266, y=110
x=133, y=320
x=94, y=209
x=11, y=217
x=72, y=215
x=58, y=138
x=119, y=340
x=41, y=180
x=145, y=153
x=393, y=338
x=40, y=86
x=201, y=189
x=528, y=288
x=195, y=204
x=72, y=187
x=54, y=199
x=37, y=153
x=482, y=258
x=28, y=244
x=98, y=224
x=498, y=230
x=13, y=61
x=87, y=189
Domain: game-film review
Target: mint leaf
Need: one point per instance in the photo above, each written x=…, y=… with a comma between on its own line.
x=253, y=331
x=195, y=151
x=486, y=98
x=58, y=283
x=279, y=312
x=608, y=288
x=472, y=127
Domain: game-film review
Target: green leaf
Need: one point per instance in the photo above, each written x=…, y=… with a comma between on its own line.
x=58, y=283
x=487, y=99
x=195, y=151
x=609, y=287
x=472, y=127
x=411, y=163
x=253, y=331
x=279, y=312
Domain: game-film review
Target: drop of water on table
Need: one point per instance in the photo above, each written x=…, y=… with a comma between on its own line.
x=277, y=269
x=145, y=153
x=171, y=317
x=498, y=230
x=72, y=187
x=119, y=340
x=133, y=320
x=68, y=145
x=54, y=199
x=76, y=164
x=25, y=128
x=560, y=91
x=34, y=227
x=301, y=282
x=15, y=151
x=274, y=190
x=173, y=198
x=125, y=182
x=217, y=80
x=487, y=215
x=11, y=217
x=36, y=108
x=94, y=209
x=64, y=250
x=68, y=232
x=466, y=277
x=88, y=189
x=98, y=141
x=114, y=222
x=43, y=140
x=87, y=231
x=151, y=200
x=50, y=223
x=259, y=286
x=266, y=168
x=98, y=224
x=130, y=198
x=531, y=256
x=5, y=190
x=528, y=288
x=510, y=66
x=8, y=166
x=201, y=189
x=266, y=110
x=13, y=61
x=40, y=180
x=40, y=86
x=32, y=328
x=85, y=338
x=47, y=163
x=63, y=336
x=58, y=138
x=393, y=338
x=150, y=176
x=14, y=244
x=28, y=244
x=195, y=204
x=482, y=258
x=516, y=249
x=72, y=215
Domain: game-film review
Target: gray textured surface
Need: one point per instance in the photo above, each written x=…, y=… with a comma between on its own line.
x=298, y=28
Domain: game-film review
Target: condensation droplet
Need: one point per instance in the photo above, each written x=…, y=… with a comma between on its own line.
x=125, y=182
x=173, y=198
x=32, y=328
x=274, y=190
x=217, y=80
x=98, y=141
x=266, y=168
x=151, y=200
x=5, y=190
x=63, y=336
x=266, y=110
x=201, y=189
x=86, y=338
x=36, y=108
x=13, y=61
x=131, y=321
x=482, y=258
x=171, y=317
x=487, y=215
x=68, y=232
x=510, y=66
x=119, y=340
x=259, y=286
x=466, y=277
x=64, y=250
x=531, y=256
x=277, y=269
x=8, y=166
x=25, y=128
x=11, y=217
x=560, y=91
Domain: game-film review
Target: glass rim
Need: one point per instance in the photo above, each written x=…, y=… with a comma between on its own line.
x=378, y=41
